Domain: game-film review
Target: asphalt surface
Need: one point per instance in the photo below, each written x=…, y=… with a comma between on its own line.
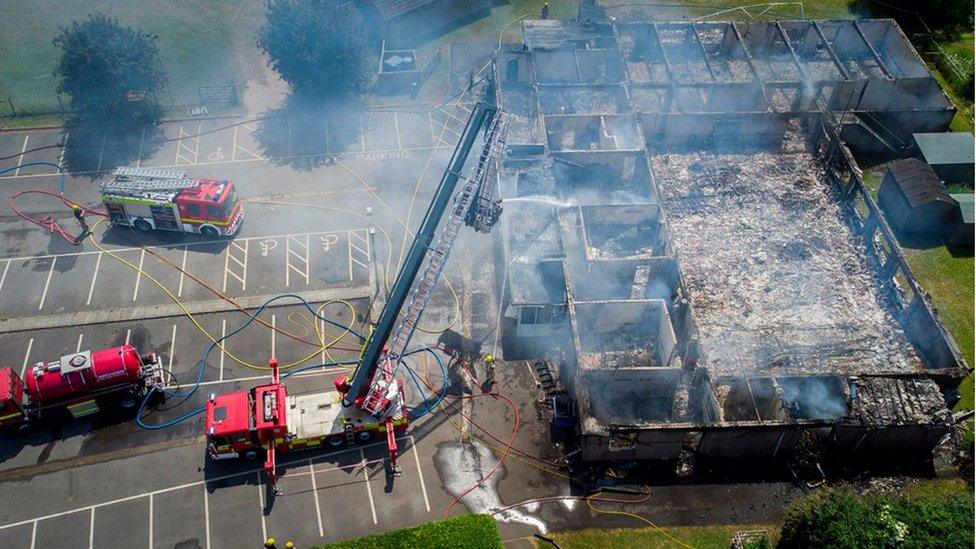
x=340, y=186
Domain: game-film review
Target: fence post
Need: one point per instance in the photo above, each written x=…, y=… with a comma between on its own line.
x=13, y=111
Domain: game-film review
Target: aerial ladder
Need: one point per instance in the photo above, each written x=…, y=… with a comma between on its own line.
x=373, y=386
x=369, y=401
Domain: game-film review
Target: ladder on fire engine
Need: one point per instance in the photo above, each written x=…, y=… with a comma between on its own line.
x=436, y=259
x=126, y=179
x=486, y=167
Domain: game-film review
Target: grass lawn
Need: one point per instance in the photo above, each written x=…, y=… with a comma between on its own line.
x=198, y=43
x=962, y=49
x=700, y=537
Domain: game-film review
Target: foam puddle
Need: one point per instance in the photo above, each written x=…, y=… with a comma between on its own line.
x=461, y=464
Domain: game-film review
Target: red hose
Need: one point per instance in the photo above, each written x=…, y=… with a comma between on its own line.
x=49, y=222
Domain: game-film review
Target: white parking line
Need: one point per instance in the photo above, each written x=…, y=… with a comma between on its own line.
x=101, y=152
x=128, y=335
x=47, y=283
x=64, y=145
x=242, y=278
x=4, y=276
x=206, y=514
x=33, y=534
x=91, y=289
x=369, y=489
x=139, y=154
x=135, y=292
x=301, y=257
x=273, y=332
x=23, y=368
x=179, y=291
x=172, y=349
x=223, y=334
x=81, y=336
x=264, y=522
x=396, y=129
x=151, y=520
x=204, y=482
x=91, y=530
x=315, y=492
x=420, y=473
x=20, y=159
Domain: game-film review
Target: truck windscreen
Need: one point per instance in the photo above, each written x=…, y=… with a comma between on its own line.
x=228, y=206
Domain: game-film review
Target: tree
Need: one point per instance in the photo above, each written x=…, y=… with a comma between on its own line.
x=111, y=72
x=319, y=47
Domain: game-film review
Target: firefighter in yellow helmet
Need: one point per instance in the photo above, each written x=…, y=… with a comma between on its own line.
x=489, y=384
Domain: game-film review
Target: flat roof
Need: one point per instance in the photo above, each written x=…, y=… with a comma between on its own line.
x=946, y=147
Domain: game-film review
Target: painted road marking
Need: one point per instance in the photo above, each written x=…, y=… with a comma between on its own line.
x=362, y=132
x=273, y=332
x=139, y=154
x=369, y=489
x=33, y=534
x=363, y=250
x=81, y=336
x=420, y=473
x=179, y=291
x=223, y=334
x=264, y=523
x=64, y=145
x=3, y=277
x=396, y=129
x=315, y=493
x=237, y=147
x=101, y=153
x=242, y=278
x=20, y=159
x=91, y=289
x=181, y=146
x=151, y=520
x=142, y=258
x=47, y=283
x=301, y=255
x=91, y=530
x=23, y=368
x=206, y=515
x=128, y=335
x=204, y=483
x=172, y=350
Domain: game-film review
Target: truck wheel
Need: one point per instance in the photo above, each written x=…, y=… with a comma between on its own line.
x=143, y=225
x=365, y=436
x=335, y=442
x=249, y=455
x=209, y=232
x=128, y=402
x=24, y=427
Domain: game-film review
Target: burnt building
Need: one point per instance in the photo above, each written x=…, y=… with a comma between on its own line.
x=687, y=236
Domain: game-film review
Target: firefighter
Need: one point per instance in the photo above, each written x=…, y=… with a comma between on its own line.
x=80, y=216
x=489, y=384
x=270, y=543
x=545, y=11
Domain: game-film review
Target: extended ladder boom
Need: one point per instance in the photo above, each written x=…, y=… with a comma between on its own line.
x=470, y=208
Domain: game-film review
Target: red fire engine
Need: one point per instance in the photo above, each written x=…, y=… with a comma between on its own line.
x=77, y=385
x=370, y=401
x=149, y=199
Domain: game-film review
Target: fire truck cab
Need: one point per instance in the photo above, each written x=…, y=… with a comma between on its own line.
x=149, y=199
x=246, y=423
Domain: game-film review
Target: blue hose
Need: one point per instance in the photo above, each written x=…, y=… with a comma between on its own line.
x=203, y=364
x=428, y=407
x=27, y=164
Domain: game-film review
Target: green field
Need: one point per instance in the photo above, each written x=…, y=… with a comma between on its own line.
x=699, y=537
x=200, y=42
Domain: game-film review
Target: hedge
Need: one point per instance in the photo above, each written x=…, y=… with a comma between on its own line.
x=842, y=518
x=468, y=531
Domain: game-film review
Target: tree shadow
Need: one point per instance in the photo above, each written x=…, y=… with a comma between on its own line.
x=95, y=148
x=306, y=132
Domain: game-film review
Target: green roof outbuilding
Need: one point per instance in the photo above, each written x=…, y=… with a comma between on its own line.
x=951, y=155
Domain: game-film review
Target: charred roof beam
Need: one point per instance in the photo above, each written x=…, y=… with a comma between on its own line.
x=708, y=64
x=874, y=53
x=789, y=46
x=830, y=51
x=750, y=61
x=667, y=62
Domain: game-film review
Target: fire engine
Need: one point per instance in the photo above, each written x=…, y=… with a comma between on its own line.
x=77, y=385
x=150, y=199
x=368, y=403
